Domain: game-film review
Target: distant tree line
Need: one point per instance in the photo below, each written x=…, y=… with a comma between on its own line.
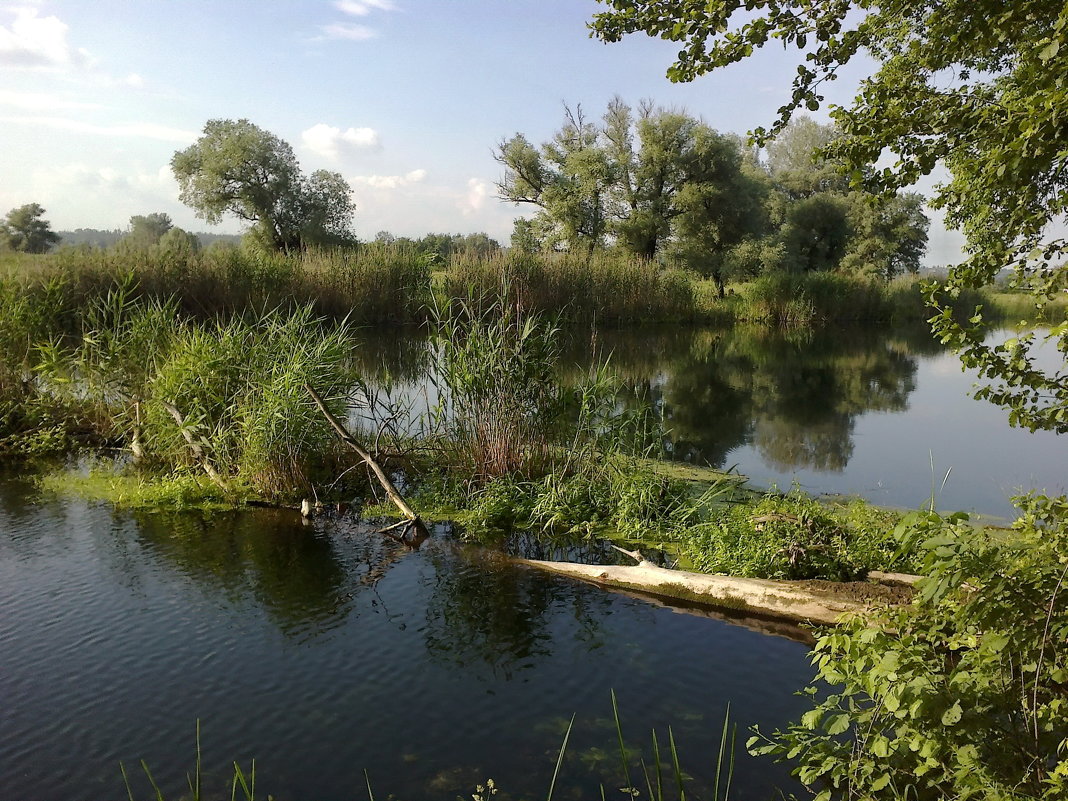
x=24, y=230
x=659, y=183
x=138, y=232
x=439, y=248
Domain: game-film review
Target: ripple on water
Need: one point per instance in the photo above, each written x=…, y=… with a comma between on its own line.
x=323, y=652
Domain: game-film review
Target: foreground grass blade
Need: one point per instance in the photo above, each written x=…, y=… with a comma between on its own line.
x=722, y=745
x=559, y=760
x=675, y=765
x=622, y=748
x=126, y=781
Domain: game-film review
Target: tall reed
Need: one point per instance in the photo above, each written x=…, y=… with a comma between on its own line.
x=499, y=395
x=608, y=286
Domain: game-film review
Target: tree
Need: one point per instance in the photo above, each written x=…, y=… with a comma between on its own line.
x=653, y=182
x=826, y=225
x=240, y=169
x=177, y=242
x=568, y=178
x=816, y=232
x=889, y=235
x=25, y=231
x=974, y=86
x=147, y=230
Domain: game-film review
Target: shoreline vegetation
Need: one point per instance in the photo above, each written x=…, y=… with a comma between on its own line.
x=398, y=284
x=218, y=379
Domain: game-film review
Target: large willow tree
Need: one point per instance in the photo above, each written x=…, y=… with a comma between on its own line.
x=977, y=86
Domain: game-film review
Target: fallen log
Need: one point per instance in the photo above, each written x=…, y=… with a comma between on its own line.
x=820, y=602
x=904, y=579
x=194, y=446
x=369, y=460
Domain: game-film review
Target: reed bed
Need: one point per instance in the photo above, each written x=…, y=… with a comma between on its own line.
x=607, y=287
x=389, y=284
x=797, y=300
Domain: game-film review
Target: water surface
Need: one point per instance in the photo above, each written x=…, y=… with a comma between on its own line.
x=325, y=650
x=878, y=412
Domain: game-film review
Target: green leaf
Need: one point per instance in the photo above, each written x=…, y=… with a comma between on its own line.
x=838, y=724
x=952, y=715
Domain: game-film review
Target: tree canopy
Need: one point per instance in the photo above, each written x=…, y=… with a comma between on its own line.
x=25, y=230
x=659, y=183
x=238, y=168
x=974, y=85
x=148, y=229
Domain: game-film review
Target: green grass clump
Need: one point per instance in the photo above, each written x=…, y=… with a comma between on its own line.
x=794, y=536
x=132, y=489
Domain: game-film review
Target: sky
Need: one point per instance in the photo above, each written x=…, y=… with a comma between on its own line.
x=405, y=98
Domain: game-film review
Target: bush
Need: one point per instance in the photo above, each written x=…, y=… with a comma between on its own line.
x=961, y=694
x=794, y=537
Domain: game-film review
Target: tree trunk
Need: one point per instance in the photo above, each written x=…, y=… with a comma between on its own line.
x=821, y=602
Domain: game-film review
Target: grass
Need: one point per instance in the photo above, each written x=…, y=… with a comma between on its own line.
x=650, y=777
x=607, y=287
x=130, y=489
x=793, y=536
x=788, y=300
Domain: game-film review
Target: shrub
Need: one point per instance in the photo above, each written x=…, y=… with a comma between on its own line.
x=961, y=694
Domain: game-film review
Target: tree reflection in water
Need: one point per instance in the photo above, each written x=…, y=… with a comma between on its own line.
x=484, y=612
x=795, y=396
x=305, y=579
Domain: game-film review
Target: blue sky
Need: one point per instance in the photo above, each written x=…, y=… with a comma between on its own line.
x=405, y=98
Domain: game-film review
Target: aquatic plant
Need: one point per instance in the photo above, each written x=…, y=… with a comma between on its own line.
x=649, y=778
x=499, y=399
x=607, y=286
x=238, y=390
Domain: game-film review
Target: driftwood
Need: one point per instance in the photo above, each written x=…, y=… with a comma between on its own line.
x=808, y=602
x=900, y=579
x=376, y=468
x=194, y=446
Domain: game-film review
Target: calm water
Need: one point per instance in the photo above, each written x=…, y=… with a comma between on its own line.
x=324, y=650
x=851, y=411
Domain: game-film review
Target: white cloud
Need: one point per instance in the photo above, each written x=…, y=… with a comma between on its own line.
x=34, y=42
x=142, y=130
x=475, y=198
x=34, y=101
x=134, y=80
x=361, y=8
x=353, y=33
x=411, y=205
x=80, y=195
x=329, y=142
x=390, y=181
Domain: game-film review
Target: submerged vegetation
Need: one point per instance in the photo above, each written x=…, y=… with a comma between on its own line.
x=661, y=776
